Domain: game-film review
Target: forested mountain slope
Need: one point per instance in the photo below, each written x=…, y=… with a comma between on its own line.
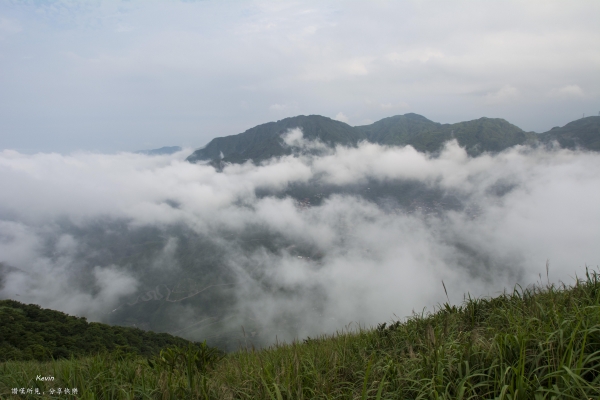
x=264, y=141
x=583, y=133
x=477, y=136
x=29, y=332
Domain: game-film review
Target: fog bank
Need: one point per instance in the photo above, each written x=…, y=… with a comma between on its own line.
x=292, y=247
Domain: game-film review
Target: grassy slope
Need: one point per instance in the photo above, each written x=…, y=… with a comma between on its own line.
x=535, y=343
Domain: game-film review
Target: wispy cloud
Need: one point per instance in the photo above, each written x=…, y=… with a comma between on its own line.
x=341, y=117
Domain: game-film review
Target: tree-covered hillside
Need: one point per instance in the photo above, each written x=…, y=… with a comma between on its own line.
x=477, y=136
x=398, y=130
x=264, y=141
x=29, y=332
x=488, y=134
x=582, y=133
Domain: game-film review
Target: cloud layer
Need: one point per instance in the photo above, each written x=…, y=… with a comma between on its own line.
x=378, y=231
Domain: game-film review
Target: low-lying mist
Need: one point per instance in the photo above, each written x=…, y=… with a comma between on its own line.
x=293, y=247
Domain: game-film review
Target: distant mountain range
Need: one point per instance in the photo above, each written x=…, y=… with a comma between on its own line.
x=161, y=151
x=478, y=136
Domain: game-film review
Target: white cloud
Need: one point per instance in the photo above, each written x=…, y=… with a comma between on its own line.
x=341, y=117
x=295, y=138
x=376, y=258
x=113, y=284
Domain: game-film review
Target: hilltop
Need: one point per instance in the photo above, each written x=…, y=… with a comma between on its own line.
x=264, y=141
x=477, y=136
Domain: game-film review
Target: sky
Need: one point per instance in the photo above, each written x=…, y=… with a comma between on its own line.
x=108, y=76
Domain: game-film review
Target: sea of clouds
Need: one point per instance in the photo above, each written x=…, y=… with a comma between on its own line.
x=370, y=260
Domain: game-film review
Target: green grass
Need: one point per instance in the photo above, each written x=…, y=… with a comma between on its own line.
x=534, y=343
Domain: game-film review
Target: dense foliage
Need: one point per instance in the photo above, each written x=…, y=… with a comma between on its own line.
x=534, y=343
x=29, y=332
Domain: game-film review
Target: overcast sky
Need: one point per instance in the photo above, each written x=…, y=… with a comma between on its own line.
x=111, y=76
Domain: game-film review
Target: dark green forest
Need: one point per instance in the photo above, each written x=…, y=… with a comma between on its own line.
x=29, y=332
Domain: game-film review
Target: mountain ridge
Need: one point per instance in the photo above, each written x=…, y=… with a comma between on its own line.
x=476, y=136
x=264, y=141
